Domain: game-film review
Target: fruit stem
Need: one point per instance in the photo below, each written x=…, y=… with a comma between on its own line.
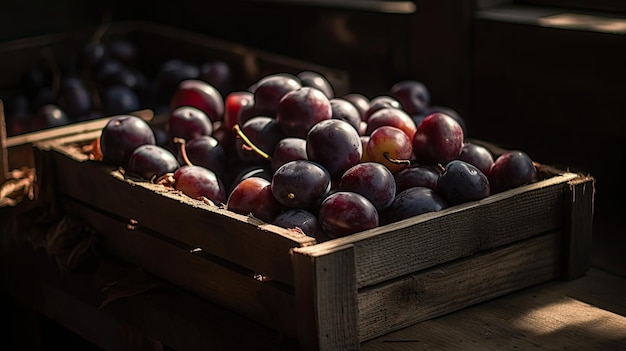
x=395, y=160
x=183, y=150
x=249, y=143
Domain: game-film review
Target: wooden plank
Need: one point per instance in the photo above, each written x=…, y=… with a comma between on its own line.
x=579, y=199
x=261, y=301
x=588, y=313
x=459, y=231
x=243, y=240
x=326, y=300
x=453, y=286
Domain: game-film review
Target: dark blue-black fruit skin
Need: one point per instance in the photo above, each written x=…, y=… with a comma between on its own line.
x=462, y=182
x=121, y=136
x=151, y=161
x=412, y=202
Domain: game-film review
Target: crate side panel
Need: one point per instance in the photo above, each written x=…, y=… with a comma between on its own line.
x=432, y=239
x=268, y=305
x=245, y=241
x=462, y=283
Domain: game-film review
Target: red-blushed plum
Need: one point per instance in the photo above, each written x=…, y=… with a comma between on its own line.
x=391, y=117
x=438, y=139
x=233, y=104
x=413, y=95
x=198, y=182
x=448, y=111
x=302, y=220
x=187, y=122
x=121, y=136
x=335, y=145
x=254, y=196
x=201, y=95
x=462, y=182
x=269, y=90
x=372, y=180
x=417, y=175
x=510, y=170
x=299, y=110
x=316, y=80
x=344, y=212
x=288, y=149
x=151, y=162
x=477, y=155
x=388, y=145
x=301, y=184
x=413, y=202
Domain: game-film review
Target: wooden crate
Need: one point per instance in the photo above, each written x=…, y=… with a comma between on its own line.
x=337, y=294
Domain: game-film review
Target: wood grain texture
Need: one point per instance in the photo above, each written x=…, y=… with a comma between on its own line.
x=326, y=300
x=579, y=197
x=243, y=240
x=434, y=238
x=453, y=286
x=588, y=313
x=259, y=301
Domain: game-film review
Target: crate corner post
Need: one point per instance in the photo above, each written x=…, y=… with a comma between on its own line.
x=326, y=298
x=579, y=201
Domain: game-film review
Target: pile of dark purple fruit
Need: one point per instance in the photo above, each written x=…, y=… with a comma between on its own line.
x=291, y=153
x=99, y=78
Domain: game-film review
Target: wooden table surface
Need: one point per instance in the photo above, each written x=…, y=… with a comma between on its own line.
x=115, y=306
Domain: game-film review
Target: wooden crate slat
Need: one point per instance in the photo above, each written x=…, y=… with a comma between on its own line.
x=433, y=238
x=243, y=240
x=261, y=301
x=579, y=196
x=326, y=300
x=452, y=286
